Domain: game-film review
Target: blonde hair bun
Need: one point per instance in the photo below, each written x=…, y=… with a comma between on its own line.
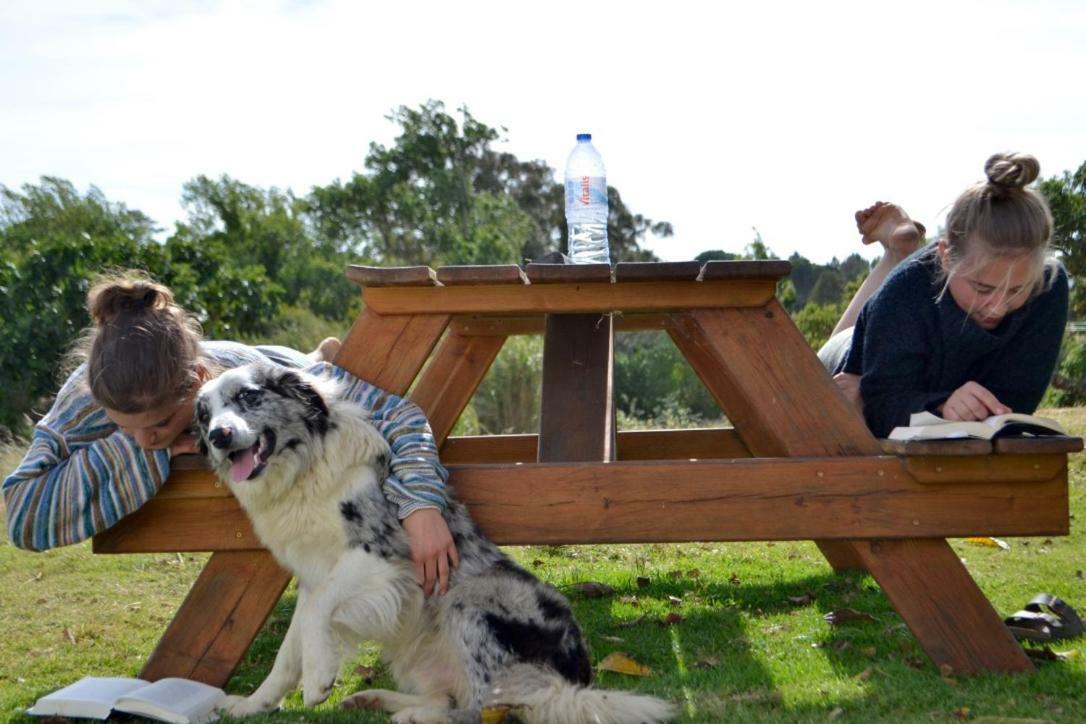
x=1012, y=170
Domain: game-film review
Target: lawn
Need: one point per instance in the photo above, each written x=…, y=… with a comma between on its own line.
x=731, y=632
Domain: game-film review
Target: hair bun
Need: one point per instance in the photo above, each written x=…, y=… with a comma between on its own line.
x=113, y=297
x=1012, y=170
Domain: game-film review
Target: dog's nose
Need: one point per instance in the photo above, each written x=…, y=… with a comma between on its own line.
x=221, y=437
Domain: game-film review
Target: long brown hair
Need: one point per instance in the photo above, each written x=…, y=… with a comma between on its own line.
x=142, y=350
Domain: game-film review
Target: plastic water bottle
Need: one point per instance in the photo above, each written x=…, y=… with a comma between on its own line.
x=586, y=204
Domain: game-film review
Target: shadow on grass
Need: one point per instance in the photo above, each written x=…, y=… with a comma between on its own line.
x=749, y=652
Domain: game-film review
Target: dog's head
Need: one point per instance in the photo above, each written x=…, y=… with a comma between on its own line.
x=258, y=415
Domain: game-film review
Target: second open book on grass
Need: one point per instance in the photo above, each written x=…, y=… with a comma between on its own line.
x=926, y=426
x=181, y=701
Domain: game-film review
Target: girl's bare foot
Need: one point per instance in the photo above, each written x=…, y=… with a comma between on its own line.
x=327, y=350
x=889, y=225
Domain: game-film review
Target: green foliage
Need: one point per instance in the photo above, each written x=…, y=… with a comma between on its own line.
x=652, y=378
x=1069, y=382
x=816, y=322
x=52, y=241
x=1066, y=197
x=442, y=195
x=507, y=400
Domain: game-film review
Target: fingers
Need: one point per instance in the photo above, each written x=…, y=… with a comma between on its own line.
x=972, y=401
x=442, y=573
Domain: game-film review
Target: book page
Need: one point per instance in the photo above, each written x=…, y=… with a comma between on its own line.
x=91, y=697
x=175, y=700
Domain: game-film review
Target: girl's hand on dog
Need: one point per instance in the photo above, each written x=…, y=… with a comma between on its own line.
x=432, y=549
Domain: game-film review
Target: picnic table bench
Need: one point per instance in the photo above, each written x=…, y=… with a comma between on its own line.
x=799, y=463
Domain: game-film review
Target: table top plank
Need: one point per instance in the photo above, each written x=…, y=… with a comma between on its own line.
x=654, y=271
x=914, y=448
x=481, y=274
x=392, y=276
x=541, y=273
x=746, y=269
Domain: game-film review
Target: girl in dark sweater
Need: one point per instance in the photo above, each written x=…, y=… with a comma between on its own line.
x=965, y=328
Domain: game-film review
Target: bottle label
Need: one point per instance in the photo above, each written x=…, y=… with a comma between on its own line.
x=583, y=191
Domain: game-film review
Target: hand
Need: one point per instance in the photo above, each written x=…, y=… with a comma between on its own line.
x=184, y=444
x=849, y=384
x=972, y=401
x=432, y=549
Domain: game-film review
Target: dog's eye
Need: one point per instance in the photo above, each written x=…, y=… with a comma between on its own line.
x=249, y=397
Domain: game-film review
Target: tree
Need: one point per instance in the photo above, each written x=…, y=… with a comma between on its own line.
x=53, y=240
x=442, y=195
x=1066, y=197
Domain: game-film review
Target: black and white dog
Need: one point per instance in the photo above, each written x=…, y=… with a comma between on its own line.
x=307, y=466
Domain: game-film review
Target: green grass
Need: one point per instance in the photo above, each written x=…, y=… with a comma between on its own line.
x=743, y=651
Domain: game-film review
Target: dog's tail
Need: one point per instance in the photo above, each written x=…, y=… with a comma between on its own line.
x=536, y=694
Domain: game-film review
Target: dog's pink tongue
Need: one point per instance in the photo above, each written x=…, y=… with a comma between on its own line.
x=243, y=464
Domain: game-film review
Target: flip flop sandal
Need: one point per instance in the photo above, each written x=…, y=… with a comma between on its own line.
x=1030, y=626
x=1064, y=622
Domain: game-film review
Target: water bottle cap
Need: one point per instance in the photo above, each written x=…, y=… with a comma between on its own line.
x=584, y=136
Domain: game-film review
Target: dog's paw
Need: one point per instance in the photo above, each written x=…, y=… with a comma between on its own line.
x=363, y=700
x=237, y=706
x=317, y=685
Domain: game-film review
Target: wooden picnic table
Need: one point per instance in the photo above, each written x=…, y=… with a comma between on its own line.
x=799, y=463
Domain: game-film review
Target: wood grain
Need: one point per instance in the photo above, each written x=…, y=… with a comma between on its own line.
x=392, y=276
x=389, y=350
x=572, y=298
x=219, y=618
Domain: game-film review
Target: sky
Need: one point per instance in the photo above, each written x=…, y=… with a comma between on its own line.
x=721, y=118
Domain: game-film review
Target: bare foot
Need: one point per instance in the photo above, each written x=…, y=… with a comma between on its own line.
x=889, y=225
x=327, y=350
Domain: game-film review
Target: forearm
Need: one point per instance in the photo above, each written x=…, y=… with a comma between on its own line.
x=52, y=500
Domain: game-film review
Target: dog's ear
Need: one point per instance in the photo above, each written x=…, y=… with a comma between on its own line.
x=290, y=384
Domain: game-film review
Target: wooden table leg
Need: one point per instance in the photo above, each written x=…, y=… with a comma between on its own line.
x=576, y=416
x=219, y=618
x=942, y=605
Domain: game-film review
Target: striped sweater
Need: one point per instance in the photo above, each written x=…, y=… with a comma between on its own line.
x=81, y=474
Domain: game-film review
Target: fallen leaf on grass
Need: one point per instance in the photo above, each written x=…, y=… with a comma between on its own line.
x=643, y=582
x=962, y=712
x=499, y=713
x=988, y=541
x=537, y=563
x=35, y=577
x=620, y=663
x=836, y=713
x=613, y=639
x=869, y=651
x=674, y=600
x=70, y=635
x=804, y=600
x=593, y=589
x=709, y=662
x=693, y=573
x=671, y=619
x=366, y=672
x=839, y=616
x=863, y=675
x=674, y=574
x=733, y=579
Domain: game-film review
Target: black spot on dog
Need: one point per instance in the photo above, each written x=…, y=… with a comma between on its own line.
x=292, y=443
x=350, y=512
x=553, y=610
x=291, y=386
x=507, y=567
x=366, y=547
x=543, y=645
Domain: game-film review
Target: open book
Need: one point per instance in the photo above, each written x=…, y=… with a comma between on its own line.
x=181, y=701
x=926, y=426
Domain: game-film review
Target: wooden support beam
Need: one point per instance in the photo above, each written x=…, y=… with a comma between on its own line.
x=219, y=618
x=831, y=498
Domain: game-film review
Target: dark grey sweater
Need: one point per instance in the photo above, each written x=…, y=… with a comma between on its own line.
x=913, y=351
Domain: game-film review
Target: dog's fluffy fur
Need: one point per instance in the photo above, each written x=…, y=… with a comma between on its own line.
x=307, y=465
